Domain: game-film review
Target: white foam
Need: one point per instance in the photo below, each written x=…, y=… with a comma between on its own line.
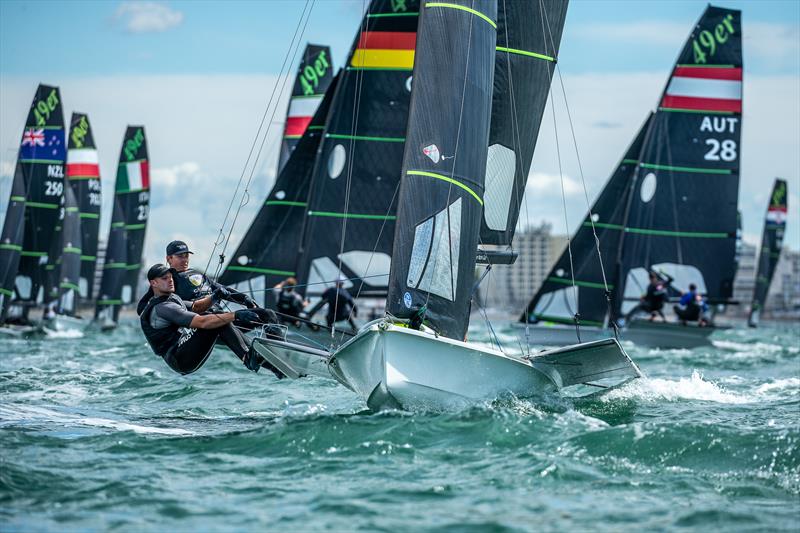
x=693, y=388
x=30, y=413
x=63, y=334
x=790, y=384
x=105, y=350
x=734, y=346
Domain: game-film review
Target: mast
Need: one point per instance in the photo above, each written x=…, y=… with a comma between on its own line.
x=528, y=37
x=444, y=165
x=771, y=244
x=351, y=211
x=314, y=76
x=682, y=214
x=83, y=176
x=41, y=160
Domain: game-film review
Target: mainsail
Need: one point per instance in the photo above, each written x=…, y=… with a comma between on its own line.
x=441, y=194
x=269, y=248
x=771, y=243
x=314, y=76
x=83, y=176
x=69, y=264
x=556, y=300
x=41, y=161
x=528, y=37
x=11, y=240
x=128, y=224
x=353, y=198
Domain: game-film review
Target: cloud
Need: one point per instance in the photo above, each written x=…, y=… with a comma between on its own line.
x=6, y=168
x=550, y=184
x=773, y=45
x=147, y=17
x=652, y=32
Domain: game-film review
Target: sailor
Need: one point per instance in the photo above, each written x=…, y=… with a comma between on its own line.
x=290, y=303
x=184, y=338
x=692, y=307
x=653, y=300
x=191, y=284
x=341, y=306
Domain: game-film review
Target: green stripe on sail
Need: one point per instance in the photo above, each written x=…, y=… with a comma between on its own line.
x=72, y=210
x=238, y=268
x=315, y=128
x=630, y=161
x=285, y=202
x=366, y=138
x=350, y=215
x=660, y=232
x=88, y=258
x=109, y=302
x=113, y=265
x=705, y=66
x=135, y=226
x=14, y=247
x=462, y=8
x=41, y=205
x=448, y=180
x=133, y=267
x=560, y=320
x=117, y=224
x=588, y=284
x=524, y=53
x=687, y=169
x=76, y=177
x=90, y=215
x=67, y=285
x=6, y=292
x=382, y=15
x=17, y=198
x=71, y=250
x=27, y=253
x=45, y=161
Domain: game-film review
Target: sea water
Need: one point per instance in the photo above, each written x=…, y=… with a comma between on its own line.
x=96, y=433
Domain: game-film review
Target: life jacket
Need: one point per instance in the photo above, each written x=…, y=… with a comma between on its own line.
x=159, y=339
x=191, y=284
x=288, y=304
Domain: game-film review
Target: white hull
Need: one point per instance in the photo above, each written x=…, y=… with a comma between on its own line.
x=549, y=334
x=391, y=366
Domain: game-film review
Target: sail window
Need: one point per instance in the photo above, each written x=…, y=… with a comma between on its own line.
x=434, y=256
x=280, y=195
x=127, y=294
x=336, y=161
x=323, y=273
x=23, y=285
x=372, y=267
x=242, y=259
x=648, y=189
x=559, y=304
x=637, y=280
x=83, y=287
x=500, y=166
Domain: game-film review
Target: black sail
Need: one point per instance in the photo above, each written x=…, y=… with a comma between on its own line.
x=555, y=301
x=83, y=176
x=128, y=224
x=11, y=240
x=444, y=164
x=682, y=208
x=69, y=264
x=41, y=159
x=314, y=76
x=352, y=203
x=269, y=248
x=771, y=243
x=528, y=37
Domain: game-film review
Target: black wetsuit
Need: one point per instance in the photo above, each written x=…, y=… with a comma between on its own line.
x=653, y=300
x=290, y=305
x=165, y=322
x=192, y=284
x=340, y=304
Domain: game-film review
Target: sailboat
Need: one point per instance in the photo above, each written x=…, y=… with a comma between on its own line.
x=128, y=225
x=670, y=206
x=417, y=356
x=34, y=209
x=267, y=253
x=771, y=244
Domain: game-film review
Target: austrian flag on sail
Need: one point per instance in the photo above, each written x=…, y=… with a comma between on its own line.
x=704, y=88
x=385, y=49
x=134, y=176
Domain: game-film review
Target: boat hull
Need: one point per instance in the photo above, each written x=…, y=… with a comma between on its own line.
x=668, y=335
x=64, y=323
x=548, y=334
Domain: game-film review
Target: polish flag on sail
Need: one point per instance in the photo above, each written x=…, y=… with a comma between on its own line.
x=82, y=163
x=133, y=176
x=301, y=111
x=704, y=89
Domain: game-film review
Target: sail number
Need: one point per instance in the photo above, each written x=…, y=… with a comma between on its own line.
x=142, y=214
x=94, y=198
x=53, y=188
x=55, y=171
x=725, y=150
x=45, y=107
x=706, y=43
x=309, y=78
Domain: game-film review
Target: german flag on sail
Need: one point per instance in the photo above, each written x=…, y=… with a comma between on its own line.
x=134, y=176
x=702, y=88
x=385, y=50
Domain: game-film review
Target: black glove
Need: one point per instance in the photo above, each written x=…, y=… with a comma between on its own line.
x=249, y=302
x=219, y=294
x=246, y=318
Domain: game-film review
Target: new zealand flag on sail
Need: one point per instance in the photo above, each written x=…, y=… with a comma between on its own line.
x=40, y=143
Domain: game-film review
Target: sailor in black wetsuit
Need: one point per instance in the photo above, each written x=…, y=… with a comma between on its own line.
x=184, y=338
x=654, y=299
x=290, y=303
x=341, y=306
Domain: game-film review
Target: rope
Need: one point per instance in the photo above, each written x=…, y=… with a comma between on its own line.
x=292, y=44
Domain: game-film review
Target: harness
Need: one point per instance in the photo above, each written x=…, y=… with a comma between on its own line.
x=191, y=284
x=159, y=339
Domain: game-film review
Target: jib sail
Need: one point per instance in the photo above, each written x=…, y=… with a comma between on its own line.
x=771, y=244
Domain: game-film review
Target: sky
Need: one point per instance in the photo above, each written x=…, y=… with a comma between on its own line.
x=199, y=74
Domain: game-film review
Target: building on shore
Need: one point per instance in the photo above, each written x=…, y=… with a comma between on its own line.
x=783, y=298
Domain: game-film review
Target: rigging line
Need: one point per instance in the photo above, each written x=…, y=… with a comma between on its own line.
x=246, y=194
x=221, y=233
x=351, y=160
x=563, y=195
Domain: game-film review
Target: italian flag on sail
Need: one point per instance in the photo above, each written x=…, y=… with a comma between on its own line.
x=133, y=176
